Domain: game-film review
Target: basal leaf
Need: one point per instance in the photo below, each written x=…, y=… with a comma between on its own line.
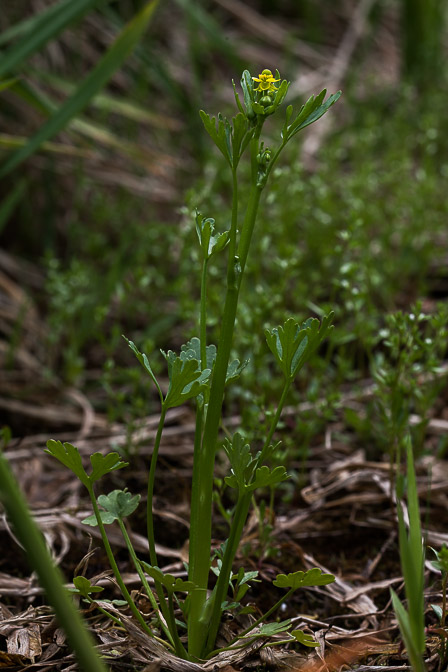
x=105, y=464
x=106, y=518
x=313, y=577
x=168, y=581
x=119, y=503
x=305, y=639
x=271, y=629
x=84, y=587
x=265, y=477
x=69, y=456
x=186, y=378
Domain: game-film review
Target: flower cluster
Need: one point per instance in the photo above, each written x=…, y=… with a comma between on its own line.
x=266, y=81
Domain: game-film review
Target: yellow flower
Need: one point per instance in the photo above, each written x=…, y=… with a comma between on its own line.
x=266, y=81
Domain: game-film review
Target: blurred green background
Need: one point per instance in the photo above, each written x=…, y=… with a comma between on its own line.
x=104, y=160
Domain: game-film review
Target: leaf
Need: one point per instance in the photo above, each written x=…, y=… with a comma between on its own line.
x=192, y=350
x=143, y=359
x=293, y=343
x=295, y=580
x=84, y=587
x=265, y=477
x=94, y=82
x=412, y=557
x=314, y=109
x=234, y=370
x=305, y=639
x=210, y=244
x=69, y=456
x=271, y=629
x=186, y=378
x=217, y=134
x=106, y=518
x=415, y=656
x=169, y=582
x=7, y=83
x=105, y=464
x=437, y=610
x=241, y=459
x=119, y=503
x=247, y=84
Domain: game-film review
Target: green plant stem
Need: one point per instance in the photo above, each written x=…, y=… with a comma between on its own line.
x=114, y=566
x=203, y=490
x=50, y=577
x=264, y=617
x=203, y=318
x=180, y=649
x=275, y=421
x=103, y=611
x=236, y=529
x=145, y=583
x=151, y=481
x=444, y=585
x=149, y=513
x=222, y=585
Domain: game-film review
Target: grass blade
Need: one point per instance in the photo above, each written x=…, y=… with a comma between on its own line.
x=50, y=576
x=93, y=83
x=41, y=29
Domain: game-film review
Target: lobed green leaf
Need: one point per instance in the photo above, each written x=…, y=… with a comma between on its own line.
x=143, y=359
x=168, y=581
x=84, y=587
x=305, y=639
x=293, y=343
x=119, y=503
x=295, y=580
x=69, y=456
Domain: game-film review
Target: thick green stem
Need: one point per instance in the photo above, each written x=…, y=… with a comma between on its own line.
x=203, y=489
x=50, y=576
x=114, y=566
